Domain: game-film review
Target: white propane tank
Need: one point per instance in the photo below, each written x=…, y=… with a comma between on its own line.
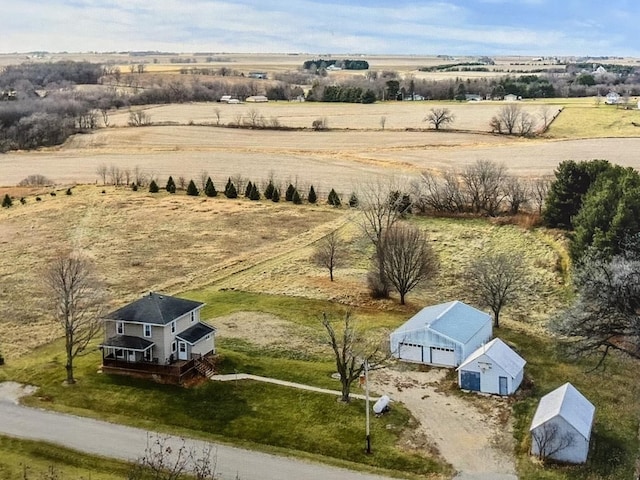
x=381, y=405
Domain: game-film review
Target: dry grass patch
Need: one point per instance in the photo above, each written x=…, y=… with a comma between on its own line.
x=139, y=242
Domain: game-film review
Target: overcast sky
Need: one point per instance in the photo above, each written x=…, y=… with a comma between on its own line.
x=456, y=27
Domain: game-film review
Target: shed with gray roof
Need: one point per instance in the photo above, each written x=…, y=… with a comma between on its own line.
x=561, y=426
x=442, y=335
x=492, y=368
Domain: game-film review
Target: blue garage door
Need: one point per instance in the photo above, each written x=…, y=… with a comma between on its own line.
x=470, y=380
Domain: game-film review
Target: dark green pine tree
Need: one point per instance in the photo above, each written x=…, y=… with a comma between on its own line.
x=276, y=196
x=353, y=200
x=153, y=187
x=247, y=191
x=210, y=189
x=312, y=198
x=268, y=192
x=230, y=191
x=296, y=198
x=227, y=186
x=333, y=198
x=254, y=194
x=288, y=196
x=192, y=189
x=171, y=185
x=6, y=201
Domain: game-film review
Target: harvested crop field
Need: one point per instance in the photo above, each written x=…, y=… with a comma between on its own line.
x=332, y=159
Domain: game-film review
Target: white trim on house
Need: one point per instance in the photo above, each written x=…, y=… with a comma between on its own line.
x=120, y=328
x=146, y=330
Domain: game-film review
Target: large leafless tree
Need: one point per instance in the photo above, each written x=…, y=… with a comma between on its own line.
x=495, y=280
x=351, y=350
x=382, y=205
x=484, y=184
x=76, y=300
x=408, y=258
x=329, y=253
x=440, y=117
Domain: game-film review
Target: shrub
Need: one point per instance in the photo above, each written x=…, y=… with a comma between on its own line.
x=210, y=189
x=312, y=198
x=134, y=187
x=296, y=198
x=192, y=189
x=68, y=192
x=23, y=200
x=276, y=196
x=38, y=199
x=319, y=124
x=353, y=200
x=53, y=194
x=153, y=187
x=6, y=201
x=171, y=185
x=35, y=181
x=333, y=198
x=268, y=192
x=288, y=196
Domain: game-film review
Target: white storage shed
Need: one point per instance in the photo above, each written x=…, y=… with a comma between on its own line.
x=492, y=368
x=442, y=335
x=561, y=426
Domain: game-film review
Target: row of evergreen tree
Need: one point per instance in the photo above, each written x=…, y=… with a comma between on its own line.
x=252, y=192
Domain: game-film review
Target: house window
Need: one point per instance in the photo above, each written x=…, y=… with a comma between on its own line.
x=120, y=328
x=193, y=316
x=208, y=337
x=173, y=347
x=173, y=327
x=119, y=353
x=147, y=330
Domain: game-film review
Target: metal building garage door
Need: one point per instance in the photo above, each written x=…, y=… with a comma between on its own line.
x=470, y=380
x=443, y=356
x=410, y=352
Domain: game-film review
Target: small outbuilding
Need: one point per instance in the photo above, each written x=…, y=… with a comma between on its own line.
x=256, y=99
x=561, y=426
x=492, y=368
x=442, y=335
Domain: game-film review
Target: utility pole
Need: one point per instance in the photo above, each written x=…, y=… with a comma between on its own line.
x=366, y=386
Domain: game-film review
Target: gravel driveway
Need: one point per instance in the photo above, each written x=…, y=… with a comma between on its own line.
x=475, y=443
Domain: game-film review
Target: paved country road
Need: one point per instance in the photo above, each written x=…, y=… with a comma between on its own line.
x=126, y=443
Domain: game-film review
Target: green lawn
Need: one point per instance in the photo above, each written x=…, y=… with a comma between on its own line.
x=29, y=460
x=588, y=120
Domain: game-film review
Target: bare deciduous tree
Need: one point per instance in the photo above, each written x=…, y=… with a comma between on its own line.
x=217, y=112
x=484, y=184
x=408, y=258
x=549, y=440
x=138, y=118
x=439, y=117
x=351, y=349
x=383, y=121
x=169, y=459
x=380, y=211
x=139, y=177
x=102, y=171
x=495, y=280
x=77, y=300
x=518, y=194
x=329, y=253
x=204, y=176
x=115, y=175
x=540, y=190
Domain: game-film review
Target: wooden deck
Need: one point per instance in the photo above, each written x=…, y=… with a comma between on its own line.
x=175, y=373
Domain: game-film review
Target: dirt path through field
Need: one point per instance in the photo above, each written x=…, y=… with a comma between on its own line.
x=474, y=442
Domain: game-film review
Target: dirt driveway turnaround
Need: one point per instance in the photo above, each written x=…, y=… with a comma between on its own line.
x=474, y=442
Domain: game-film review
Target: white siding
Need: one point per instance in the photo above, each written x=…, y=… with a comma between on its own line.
x=577, y=452
x=481, y=337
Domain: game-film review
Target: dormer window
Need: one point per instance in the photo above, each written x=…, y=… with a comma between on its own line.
x=147, y=330
x=173, y=327
x=120, y=328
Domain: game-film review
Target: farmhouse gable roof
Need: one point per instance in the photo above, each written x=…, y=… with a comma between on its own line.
x=155, y=308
